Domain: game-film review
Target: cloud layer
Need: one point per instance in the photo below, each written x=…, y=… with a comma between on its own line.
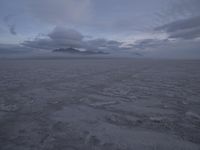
x=122, y=26
x=61, y=37
x=183, y=29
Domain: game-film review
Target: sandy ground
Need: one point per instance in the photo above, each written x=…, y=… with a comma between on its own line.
x=99, y=104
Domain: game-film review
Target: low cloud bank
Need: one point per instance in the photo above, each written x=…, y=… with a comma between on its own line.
x=65, y=38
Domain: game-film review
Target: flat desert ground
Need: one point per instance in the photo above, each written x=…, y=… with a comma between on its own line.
x=99, y=104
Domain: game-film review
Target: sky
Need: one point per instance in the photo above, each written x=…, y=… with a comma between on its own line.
x=152, y=28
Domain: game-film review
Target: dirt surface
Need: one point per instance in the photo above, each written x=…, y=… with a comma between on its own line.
x=99, y=104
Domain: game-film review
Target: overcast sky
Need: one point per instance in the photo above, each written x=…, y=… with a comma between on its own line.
x=154, y=28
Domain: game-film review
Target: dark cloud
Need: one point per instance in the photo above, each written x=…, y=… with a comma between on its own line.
x=167, y=48
x=149, y=43
x=13, y=48
x=12, y=29
x=192, y=33
x=183, y=29
x=65, y=38
x=11, y=26
x=183, y=24
x=60, y=33
x=58, y=38
x=39, y=43
x=19, y=51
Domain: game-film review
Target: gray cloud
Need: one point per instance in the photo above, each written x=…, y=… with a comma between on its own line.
x=13, y=49
x=11, y=26
x=149, y=43
x=19, y=51
x=58, y=38
x=183, y=18
x=166, y=48
x=186, y=34
x=60, y=33
x=127, y=21
x=12, y=29
x=178, y=10
x=185, y=8
x=65, y=38
x=183, y=29
x=104, y=44
x=183, y=24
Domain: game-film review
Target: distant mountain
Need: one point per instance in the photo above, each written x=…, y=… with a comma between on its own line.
x=76, y=51
x=137, y=54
